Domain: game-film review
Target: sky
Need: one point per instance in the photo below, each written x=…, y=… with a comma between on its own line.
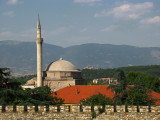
x=74, y=22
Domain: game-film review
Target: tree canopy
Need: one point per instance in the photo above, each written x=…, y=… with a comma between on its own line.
x=98, y=99
x=12, y=93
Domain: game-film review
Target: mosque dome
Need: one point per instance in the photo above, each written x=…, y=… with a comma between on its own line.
x=61, y=65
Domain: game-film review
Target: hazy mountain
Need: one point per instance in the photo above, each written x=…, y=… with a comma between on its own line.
x=21, y=56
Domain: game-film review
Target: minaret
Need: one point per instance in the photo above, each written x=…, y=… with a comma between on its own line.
x=39, y=42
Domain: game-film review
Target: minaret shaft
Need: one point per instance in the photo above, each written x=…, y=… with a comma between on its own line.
x=39, y=42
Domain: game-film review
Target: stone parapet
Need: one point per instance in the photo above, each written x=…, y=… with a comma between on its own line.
x=78, y=108
x=78, y=112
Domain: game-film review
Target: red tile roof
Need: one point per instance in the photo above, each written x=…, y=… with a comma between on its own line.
x=155, y=95
x=74, y=94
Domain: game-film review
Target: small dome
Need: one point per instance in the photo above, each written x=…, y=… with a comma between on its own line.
x=61, y=65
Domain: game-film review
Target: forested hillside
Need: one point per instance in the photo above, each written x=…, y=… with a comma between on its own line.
x=147, y=76
x=102, y=73
x=21, y=56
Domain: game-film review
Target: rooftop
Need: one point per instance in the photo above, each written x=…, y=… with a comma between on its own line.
x=73, y=94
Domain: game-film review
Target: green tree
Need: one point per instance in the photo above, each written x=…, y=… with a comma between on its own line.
x=121, y=92
x=39, y=96
x=150, y=81
x=138, y=92
x=4, y=77
x=98, y=99
x=139, y=95
x=12, y=93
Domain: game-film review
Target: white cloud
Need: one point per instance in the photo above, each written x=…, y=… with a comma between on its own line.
x=58, y=31
x=30, y=33
x=128, y=11
x=6, y=34
x=86, y=1
x=154, y=20
x=84, y=30
x=9, y=13
x=12, y=2
x=110, y=28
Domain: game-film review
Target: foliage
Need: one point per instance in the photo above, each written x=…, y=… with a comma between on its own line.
x=12, y=93
x=102, y=73
x=121, y=92
x=139, y=93
x=101, y=110
x=97, y=73
x=150, y=75
x=4, y=77
x=98, y=99
x=134, y=95
x=24, y=79
x=149, y=81
x=93, y=114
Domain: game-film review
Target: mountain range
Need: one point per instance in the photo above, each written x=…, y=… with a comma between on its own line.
x=21, y=56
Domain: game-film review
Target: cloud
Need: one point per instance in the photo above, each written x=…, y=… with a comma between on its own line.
x=12, y=2
x=154, y=20
x=6, y=34
x=9, y=13
x=84, y=30
x=30, y=33
x=110, y=28
x=86, y=1
x=58, y=31
x=128, y=11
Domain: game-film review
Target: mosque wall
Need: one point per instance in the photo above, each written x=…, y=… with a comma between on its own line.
x=58, y=84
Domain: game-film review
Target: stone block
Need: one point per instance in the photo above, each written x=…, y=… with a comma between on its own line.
x=20, y=108
x=9, y=109
x=132, y=108
x=62, y=109
x=75, y=108
x=0, y=108
x=109, y=109
x=30, y=108
x=41, y=108
x=53, y=108
x=120, y=108
x=155, y=109
x=143, y=108
x=87, y=109
x=66, y=108
x=96, y=109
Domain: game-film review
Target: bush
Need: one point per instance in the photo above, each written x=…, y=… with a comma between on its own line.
x=98, y=99
x=93, y=114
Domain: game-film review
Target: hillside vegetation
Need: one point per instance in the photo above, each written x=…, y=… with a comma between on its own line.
x=104, y=73
x=21, y=56
x=148, y=75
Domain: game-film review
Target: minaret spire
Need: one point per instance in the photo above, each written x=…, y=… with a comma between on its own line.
x=38, y=24
x=39, y=42
x=38, y=28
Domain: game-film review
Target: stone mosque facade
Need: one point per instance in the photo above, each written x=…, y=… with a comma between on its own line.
x=58, y=74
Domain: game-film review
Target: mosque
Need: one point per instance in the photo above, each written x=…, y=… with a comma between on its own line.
x=58, y=74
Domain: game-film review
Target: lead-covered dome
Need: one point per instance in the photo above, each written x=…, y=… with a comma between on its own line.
x=61, y=65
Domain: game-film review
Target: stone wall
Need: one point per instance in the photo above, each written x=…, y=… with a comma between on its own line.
x=77, y=112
